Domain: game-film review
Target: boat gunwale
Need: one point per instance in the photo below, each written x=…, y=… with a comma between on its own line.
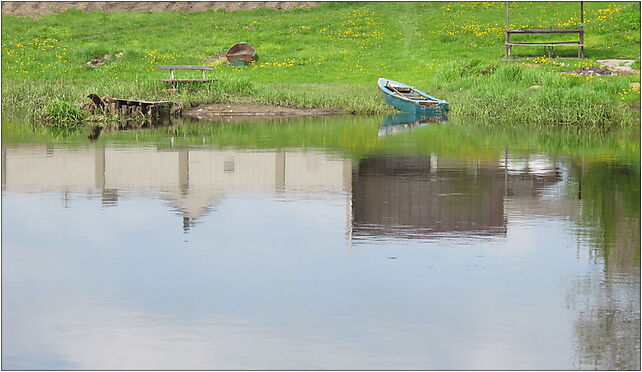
x=402, y=85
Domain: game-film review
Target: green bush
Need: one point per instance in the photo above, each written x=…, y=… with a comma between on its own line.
x=62, y=114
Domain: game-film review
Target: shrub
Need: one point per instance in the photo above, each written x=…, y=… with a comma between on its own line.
x=62, y=114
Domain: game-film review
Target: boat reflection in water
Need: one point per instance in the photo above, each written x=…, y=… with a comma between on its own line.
x=405, y=121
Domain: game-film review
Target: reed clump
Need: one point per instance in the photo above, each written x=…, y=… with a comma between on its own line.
x=60, y=114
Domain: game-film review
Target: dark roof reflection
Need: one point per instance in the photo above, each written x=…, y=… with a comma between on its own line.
x=429, y=197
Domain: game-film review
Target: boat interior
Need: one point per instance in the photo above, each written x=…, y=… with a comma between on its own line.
x=428, y=103
x=408, y=93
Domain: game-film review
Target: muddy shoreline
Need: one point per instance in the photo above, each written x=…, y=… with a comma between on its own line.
x=217, y=111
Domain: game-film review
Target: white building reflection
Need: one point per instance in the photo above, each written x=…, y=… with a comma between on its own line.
x=191, y=180
x=415, y=196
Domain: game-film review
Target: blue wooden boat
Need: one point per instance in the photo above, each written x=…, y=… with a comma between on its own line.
x=409, y=99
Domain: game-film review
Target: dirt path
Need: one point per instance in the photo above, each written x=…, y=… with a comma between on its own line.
x=39, y=8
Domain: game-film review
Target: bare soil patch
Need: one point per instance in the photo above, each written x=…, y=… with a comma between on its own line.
x=229, y=110
x=94, y=62
x=40, y=8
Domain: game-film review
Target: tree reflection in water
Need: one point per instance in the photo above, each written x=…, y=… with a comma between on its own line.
x=608, y=304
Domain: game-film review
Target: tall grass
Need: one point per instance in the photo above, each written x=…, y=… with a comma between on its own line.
x=53, y=113
x=534, y=96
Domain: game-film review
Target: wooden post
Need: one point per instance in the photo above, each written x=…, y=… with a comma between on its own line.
x=580, y=51
x=507, y=33
x=153, y=114
x=582, y=14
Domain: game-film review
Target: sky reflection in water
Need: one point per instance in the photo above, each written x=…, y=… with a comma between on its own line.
x=136, y=257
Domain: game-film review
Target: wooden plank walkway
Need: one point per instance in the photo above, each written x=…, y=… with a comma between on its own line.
x=153, y=112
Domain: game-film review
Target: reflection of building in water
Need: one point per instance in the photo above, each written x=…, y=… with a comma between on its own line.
x=387, y=192
x=424, y=195
x=412, y=196
x=191, y=180
x=399, y=196
x=41, y=168
x=528, y=179
x=528, y=175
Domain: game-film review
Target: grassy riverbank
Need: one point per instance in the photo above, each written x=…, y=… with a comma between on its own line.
x=330, y=56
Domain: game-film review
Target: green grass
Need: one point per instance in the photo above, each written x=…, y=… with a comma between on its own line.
x=62, y=114
x=331, y=56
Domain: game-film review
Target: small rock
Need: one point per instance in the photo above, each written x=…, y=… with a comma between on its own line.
x=590, y=71
x=535, y=87
x=619, y=66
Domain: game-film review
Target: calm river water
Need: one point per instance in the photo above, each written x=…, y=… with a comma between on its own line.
x=331, y=243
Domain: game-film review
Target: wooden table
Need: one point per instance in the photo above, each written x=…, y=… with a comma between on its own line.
x=172, y=80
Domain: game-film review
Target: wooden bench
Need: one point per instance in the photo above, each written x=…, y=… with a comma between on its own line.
x=172, y=80
x=550, y=44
